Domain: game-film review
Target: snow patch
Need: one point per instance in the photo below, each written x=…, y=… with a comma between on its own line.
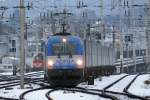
x=138, y=87
x=64, y=95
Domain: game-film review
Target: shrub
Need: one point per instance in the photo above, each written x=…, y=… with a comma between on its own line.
x=147, y=82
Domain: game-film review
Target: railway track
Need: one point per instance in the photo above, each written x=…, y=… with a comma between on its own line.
x=96, y=92
x=7, y=78
x=28, y=76
x=124, y=93
x=22, y=96
x=84, y=91
x=107, y=92
x=14, y=81
x=121, y=94
x=34, y=74
x=8, y=83
x=132, y=95
x=73, y=90
x=11, y=84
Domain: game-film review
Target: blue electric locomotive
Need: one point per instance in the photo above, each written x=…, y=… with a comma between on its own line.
x=64, y=60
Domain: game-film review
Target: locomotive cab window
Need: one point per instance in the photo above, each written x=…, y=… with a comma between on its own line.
x=38, y=57
x=63, y=48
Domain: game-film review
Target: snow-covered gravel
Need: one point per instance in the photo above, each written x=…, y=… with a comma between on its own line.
x=107, y=80
x=66, y=95
x=61, y=95
x=37, y=95
x=35, y=72
x=15, y=92
x=5, y=82
x=6, y=73
x=139, y=88
x=36, y=76
x=118, y=87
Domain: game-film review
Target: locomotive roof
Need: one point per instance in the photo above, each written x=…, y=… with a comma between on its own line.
x=62, y=34
x=58, y=38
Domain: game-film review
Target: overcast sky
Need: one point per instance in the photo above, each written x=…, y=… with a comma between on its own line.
x=45, y=5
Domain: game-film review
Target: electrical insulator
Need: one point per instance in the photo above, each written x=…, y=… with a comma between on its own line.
x=82, y=3
x=44, y=15
x=13, y=15
x=9, y=15
x=79, y=4
x=127, y=4
x=51, y=14
x=31, y=4
x=28, y=6
x=83, y=14
x=47, y=14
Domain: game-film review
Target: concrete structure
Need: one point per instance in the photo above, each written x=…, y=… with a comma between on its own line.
x=9, y=45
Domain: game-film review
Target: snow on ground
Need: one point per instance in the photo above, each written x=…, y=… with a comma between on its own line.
x=6, y=73
x=66, y=95
x=36, y=76
x=15, y=92
x=30, y=73
x=5, y=82
x=118, y=87
x=37, y=95
x=61, y=95
x=139, y=88
x=35, y=72
x=107, y=80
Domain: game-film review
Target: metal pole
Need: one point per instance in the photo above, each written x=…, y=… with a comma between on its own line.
x=121, y=42
x=127, y=56
x=114, y=37
x=121, y=53
x=134, y=34
x=22, y=48
x=148, y=40
x=134, y=52
x=102, y=22
x=37, y=43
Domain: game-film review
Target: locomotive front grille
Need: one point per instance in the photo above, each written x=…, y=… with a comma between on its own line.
x=65, y=77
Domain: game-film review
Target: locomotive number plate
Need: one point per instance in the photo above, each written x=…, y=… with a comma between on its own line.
x=64, y=61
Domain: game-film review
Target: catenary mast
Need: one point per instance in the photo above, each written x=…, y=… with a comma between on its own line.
x=148, y=38
x=22, y=46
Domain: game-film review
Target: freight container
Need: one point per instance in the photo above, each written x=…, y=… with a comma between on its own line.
x=97, y=55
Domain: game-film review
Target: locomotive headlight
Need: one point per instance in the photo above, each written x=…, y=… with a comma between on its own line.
x=79, y=62
x=64, y=40
x=50, y=63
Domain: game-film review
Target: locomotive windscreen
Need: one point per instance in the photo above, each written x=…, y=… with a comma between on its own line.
x=38, y=57
x=63, y=48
